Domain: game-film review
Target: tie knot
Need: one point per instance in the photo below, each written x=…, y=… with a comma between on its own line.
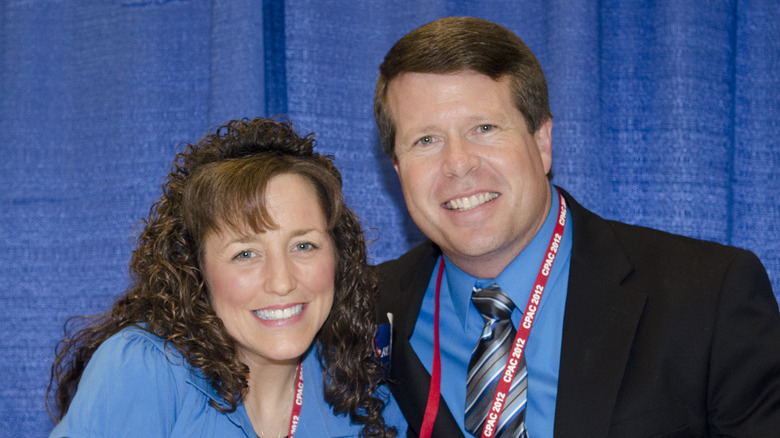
x=492, y=303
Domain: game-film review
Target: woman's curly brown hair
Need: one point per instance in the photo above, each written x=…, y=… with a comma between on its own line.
x=168, y=295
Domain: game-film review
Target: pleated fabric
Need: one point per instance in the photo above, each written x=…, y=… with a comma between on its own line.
x=665, y=115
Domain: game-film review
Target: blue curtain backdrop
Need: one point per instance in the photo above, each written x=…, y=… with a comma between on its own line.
x=666, y=115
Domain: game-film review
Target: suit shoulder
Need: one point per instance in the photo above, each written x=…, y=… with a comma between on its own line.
x=656, y=243
x=402, y=281
x=653, y=259
x=638, y=242
x=408, y=261
x=660, y=257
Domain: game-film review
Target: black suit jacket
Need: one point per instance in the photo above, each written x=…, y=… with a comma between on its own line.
x=663, y=335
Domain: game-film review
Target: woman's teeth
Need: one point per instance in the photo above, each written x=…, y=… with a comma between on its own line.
x=277, y=314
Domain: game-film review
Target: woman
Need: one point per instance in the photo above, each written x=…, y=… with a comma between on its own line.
x=250, y=279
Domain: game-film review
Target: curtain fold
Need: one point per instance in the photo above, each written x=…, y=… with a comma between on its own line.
x=755, y=179
x=666, y=114
x=236, y=56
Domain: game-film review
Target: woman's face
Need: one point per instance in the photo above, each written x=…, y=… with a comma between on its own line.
x=273, y=290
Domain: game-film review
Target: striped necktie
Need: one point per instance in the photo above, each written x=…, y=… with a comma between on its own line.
x=487, y=364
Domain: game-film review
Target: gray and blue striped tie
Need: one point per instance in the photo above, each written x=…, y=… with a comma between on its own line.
x=487, y=364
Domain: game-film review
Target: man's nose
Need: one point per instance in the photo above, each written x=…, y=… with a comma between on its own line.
x=460, y=157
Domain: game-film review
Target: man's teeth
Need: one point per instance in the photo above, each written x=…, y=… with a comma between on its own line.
x=276, y=314
x=470, y=202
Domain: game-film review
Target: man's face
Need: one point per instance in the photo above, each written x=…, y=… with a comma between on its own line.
x=473, y=177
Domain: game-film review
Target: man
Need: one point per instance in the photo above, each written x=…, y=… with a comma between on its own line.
x=636, y=332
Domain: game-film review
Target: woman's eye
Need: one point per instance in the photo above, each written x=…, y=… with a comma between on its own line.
x=244, y=255
x=305, y=246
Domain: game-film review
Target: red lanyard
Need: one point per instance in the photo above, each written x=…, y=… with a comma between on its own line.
x=298, y=402
x=432, y=408
x=523, y=331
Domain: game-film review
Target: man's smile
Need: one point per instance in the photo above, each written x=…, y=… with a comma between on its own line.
x=469, y=202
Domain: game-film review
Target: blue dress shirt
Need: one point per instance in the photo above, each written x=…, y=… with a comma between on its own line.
x=134, y=387
x=461, y=325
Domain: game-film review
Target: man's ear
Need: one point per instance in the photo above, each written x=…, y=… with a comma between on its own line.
x=543, y=138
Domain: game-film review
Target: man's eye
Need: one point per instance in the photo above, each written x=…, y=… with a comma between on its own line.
x=425, y=140
x=485, y=128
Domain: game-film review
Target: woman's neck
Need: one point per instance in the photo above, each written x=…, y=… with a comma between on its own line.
x=270, y=397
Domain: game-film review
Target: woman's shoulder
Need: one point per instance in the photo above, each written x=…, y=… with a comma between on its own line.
x=136, y=340
x=134, y=360
x=136, y=355
x=136, y=385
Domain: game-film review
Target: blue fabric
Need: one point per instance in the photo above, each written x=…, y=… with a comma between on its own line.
x=666, y=115
x=133, y=386
x=461, y=325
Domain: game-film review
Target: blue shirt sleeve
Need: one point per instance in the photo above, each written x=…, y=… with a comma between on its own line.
x=129, y=388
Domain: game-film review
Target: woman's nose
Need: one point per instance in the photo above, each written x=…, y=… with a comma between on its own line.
x=280, y=275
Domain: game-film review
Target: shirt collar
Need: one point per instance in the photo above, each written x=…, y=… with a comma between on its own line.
x=515, y=280
x=197, y=379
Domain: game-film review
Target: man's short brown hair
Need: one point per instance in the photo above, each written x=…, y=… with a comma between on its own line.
x=454, y=44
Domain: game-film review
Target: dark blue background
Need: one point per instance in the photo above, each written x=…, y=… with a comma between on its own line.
x=665, y=115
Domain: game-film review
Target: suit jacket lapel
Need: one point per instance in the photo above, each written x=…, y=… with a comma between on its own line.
x=600, y=321
x=410, y=381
